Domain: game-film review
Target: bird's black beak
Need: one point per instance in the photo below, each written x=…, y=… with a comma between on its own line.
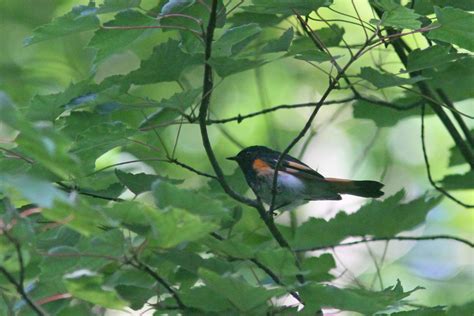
x=232, y=158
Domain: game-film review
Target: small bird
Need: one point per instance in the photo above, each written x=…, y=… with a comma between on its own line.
x=297, y=183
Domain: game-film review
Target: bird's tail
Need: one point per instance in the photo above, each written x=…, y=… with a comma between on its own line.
x=368, y=189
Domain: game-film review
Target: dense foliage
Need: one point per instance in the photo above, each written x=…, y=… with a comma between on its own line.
x=115, y=192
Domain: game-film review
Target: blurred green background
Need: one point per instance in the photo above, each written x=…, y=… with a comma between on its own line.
x=339, y=145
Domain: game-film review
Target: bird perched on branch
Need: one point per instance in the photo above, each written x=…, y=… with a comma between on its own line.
x=297, y=183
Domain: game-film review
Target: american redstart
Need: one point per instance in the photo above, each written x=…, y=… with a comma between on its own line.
x=297, y=183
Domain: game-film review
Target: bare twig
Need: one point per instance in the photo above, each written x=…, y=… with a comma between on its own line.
x=428, y=168
x=399, y=238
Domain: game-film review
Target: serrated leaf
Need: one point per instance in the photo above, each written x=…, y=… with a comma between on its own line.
x=426, y=7
x=243, y=296
x=279, y=261
x=287, y=7
x=166, y=195
x=80, y=19
x=109, y=42
x=358, y=300
x=141, y=182
x=383, y=116
x=87, y=285
x=385, y=80
x=378, y=218
x=171, y=108
x=225, y=67
x=280, y=44
x=224, y=46
x=166, y=63
x=401, y=17
x=117, y=5
x=315, y=55
x=459, y=181
x=456, y=27
x=317, y=268
x=454, y=78
x=431, y=57
x=172, y=227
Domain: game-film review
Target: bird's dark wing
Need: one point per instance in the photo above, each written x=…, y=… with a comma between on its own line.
x=293, y=166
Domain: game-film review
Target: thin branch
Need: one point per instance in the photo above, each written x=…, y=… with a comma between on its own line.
x=19, y=285
x=145, y=268
x=398, y=238
x=185, y=166
x=145, y=27
x=68, y=188
x=239, y=118
x=428, y=168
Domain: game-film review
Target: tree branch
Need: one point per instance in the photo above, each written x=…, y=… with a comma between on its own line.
x=399, y=238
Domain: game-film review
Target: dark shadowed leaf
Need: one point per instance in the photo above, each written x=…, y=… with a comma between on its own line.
x=459, y=181
x=166, y=63
x=426, y=7
x=385, y=80
x=280, y=44
x=358, y=300
x=242, y=295
x=141, y=182
x=456, y=27
x=430, y=57
x=224, y=46
x=287, y=7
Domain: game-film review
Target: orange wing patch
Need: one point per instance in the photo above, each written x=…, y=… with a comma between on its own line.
x=261, y=167
x=298, y=166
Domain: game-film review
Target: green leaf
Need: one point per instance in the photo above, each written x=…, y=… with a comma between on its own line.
x=358, y=300
x=81, y=18
x=166, y=195
x=171, y=108
x=243, y=296
x=225, y=45
x=117, y=5
x=88, y=286
x=378, y=218
x=110, y=42
x=166, y=63
x=456, y=27
x=426, y=7
x=141, y=182
x=36, y=191
x=205, y=299
x=463, y=309
x=455, y=156
x=281, y=261
x=317, y=268
x=424, y=311
x=172, y=227
x=96, y=140
x=225, y=67
x=262, y=19
x=384, y=80
x=401, y=18
x=287, y=7
x=431, y=57
x=60, y=260
x=78, y=215
x=280, y=44
x=383, y=116
x=454, y=78
x=459, y=181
